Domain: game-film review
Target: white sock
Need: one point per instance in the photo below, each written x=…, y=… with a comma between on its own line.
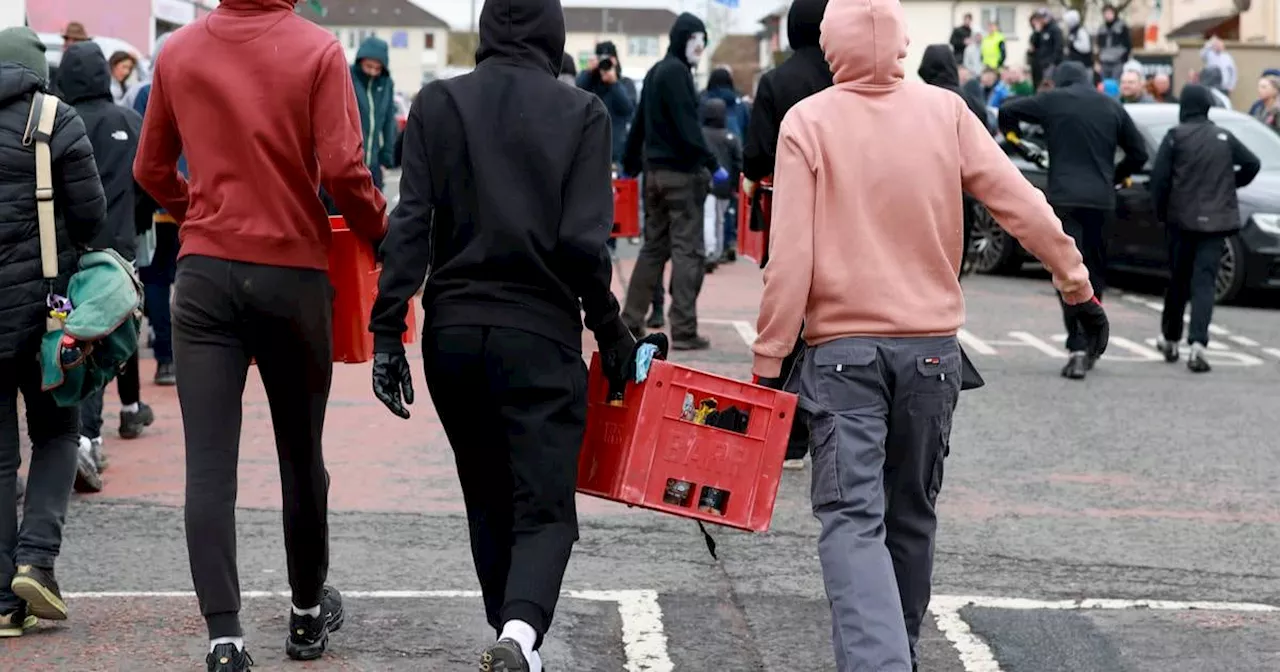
x=238, y=641
x=523, y=634
x=130, y=408
x=312, y=612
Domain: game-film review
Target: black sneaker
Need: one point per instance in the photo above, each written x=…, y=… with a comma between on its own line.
x=16, y=622
x=165, y=376
x=228, y=658
x=711, y=266
x=729, y=256
x=503, y=655
x=1076, y=367
x=656, y=321
x=37, y=587
x=1196, y=361
x=309, y=635
x=691, y=343
x=133, y=422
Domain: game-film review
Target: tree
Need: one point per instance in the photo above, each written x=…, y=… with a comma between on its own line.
x=1085, y=6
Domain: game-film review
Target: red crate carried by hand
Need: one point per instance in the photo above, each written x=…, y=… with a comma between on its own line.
x=354, y=273
x=754, y=245
x=626, y=207
x=647, y=451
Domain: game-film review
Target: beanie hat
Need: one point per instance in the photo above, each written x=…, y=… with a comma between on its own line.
x=21, y=45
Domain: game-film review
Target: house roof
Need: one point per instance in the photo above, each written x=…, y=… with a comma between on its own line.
x=372, y=13
x=618, y=20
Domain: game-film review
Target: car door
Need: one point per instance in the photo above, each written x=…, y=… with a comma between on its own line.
x=1137, y=238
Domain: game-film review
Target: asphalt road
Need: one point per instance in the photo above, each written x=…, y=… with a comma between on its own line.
x=1124, y=524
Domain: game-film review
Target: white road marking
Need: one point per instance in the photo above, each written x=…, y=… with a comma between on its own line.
x=745, y=331
x=644, y=642
x=974, y=343
x=1243, y=340
x=1144, y=354
x=976, y=655
x=1038, y=344
x=1274, y=352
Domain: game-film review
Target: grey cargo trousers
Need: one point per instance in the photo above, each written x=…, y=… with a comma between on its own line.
x=879, y=431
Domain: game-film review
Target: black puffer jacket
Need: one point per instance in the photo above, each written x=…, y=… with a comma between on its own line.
x=113, y=130
x=78, y=202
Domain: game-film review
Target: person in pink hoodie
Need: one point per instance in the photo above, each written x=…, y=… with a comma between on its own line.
x=865, y=253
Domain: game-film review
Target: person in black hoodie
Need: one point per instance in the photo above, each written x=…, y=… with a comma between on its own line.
x=1083, y=129
x=1046, y=46
x=803, y=74
x=85, y=81
x=606, y=81
x=666, y=144
x=938, y=68
x=727, y=146
x=1193, y=189
x=29, y=550
x=512, y=225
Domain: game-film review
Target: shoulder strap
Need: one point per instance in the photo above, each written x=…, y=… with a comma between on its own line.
x=44, y=108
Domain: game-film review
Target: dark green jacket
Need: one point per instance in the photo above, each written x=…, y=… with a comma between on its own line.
x=376, y=99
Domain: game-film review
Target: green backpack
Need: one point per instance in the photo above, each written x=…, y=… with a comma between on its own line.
x=93, y=330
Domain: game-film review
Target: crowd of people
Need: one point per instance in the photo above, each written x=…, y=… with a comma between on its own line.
x=506, y=236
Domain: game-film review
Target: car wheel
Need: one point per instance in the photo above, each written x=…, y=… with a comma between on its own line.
x=1230, y=278
x=991, y=249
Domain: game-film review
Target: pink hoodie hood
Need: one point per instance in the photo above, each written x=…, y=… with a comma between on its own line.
x=865, y=42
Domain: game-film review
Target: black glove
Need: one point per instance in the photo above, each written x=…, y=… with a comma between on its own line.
x=1093, y=320
x=771, y=383
x=617, y=350
x=393, y=381
x=659, y=340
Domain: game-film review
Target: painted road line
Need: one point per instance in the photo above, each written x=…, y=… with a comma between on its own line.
x=644, y=642
x=1027, y=339
x=1219, y=354
x=976, y=655
x=745, y=331
x=974, y=343
x=1274, y=352
x=1243, y=340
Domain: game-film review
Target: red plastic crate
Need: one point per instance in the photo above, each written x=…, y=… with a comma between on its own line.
x=354, y=273
x=754, y=244
x=631, y=451
x=626, y=208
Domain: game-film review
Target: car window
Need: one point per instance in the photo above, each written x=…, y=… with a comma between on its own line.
x=1260, y=140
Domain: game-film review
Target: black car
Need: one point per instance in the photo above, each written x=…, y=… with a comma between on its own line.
x=1251, y=260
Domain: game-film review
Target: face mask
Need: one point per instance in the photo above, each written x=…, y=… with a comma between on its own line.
x=694, y=47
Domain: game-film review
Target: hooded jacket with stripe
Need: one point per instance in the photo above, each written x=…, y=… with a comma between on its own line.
x=79, y=208
x=1194, y=179
x=505, y=195
x=376, y=99
x=85, y=82
x=665, y=133
x=1083, y=128
x=800, y=76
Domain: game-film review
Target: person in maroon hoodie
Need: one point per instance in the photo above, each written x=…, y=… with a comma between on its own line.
x=252, y=281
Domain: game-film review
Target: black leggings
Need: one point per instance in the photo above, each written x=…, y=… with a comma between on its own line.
x=225, y=314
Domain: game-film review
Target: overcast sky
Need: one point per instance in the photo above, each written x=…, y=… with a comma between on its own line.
x=746, y=16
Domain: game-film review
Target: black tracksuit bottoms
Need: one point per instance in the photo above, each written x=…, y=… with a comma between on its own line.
x=226, y=314
x=514, y=406
x=1193, y=259
x=1088, y=226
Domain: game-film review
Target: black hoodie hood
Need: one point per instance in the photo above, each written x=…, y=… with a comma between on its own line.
x=84, y=74
x=720, y=79
x=1195, y=103
x=524, y=31
x=685, y=27
x=17, y=81
x=938, y=67
x=714, y=113
x=804, y=22
x=1071, y=73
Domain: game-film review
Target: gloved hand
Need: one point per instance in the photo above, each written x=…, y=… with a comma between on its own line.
x=720, y=177
x=1093, y=319
x=638, y=368
x=617, y=354
x=771, y=383
x=393, y=381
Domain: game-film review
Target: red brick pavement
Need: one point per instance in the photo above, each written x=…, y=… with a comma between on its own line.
x=379, y=462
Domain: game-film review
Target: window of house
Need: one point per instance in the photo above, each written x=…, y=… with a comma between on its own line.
x=400, y=39
x=1005, y=17
x=365, y=34
x=429, y=41
x=642, y=46
x=351, y=39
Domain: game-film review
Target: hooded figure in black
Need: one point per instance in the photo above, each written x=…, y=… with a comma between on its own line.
x=666, y=144
x=506, y=198
x=606, y=81
x=938, y=68
x=800, y=76
x=1083, y=129
x=1193, y=187
x=85, y=81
